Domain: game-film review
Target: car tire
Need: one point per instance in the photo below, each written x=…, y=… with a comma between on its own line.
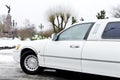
x=29, y=63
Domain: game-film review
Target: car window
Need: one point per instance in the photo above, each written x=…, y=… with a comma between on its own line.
x=76, y=32
x=112, y=31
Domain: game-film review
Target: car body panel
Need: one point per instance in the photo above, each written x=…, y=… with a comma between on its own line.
x=64, y=54
x=101, y=57
x=94, y=55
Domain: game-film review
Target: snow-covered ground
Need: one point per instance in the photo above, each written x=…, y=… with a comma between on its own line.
x=6, y=54
x=6, y=59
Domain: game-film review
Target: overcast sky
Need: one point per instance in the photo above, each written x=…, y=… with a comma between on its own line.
x=36, y=10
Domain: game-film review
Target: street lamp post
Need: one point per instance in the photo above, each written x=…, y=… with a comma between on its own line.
x=41, y=27
x=14, y=25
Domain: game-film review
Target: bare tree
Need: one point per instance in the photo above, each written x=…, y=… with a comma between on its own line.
x=48, y=33
x=1, y=26
x=2, y=22
x=116, y=12
x=26, y=32
x=59, y=19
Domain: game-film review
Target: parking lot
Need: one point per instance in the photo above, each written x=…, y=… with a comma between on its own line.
x=9, y=70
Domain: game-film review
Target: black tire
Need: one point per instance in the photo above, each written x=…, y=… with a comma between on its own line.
x=29, y=63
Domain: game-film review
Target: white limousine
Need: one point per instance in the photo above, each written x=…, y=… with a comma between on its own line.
x=87, y=47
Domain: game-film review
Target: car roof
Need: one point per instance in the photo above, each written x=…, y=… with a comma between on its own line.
x=99, y=20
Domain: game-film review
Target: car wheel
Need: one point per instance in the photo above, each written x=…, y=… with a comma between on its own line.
x=29, y=63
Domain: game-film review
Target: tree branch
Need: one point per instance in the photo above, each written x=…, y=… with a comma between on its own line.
x=58, y=22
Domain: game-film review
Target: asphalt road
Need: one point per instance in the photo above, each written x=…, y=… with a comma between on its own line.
x=9, y=70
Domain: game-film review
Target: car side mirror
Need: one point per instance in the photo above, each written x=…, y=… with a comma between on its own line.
x=54, y=37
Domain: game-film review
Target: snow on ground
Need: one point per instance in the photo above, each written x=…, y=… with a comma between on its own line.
x=6, y=59
x=6, y=54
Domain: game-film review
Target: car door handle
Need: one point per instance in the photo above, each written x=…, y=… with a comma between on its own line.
x=74, y=46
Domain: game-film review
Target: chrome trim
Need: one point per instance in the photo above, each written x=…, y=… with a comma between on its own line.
x=85, y=59
x=107, y=61
x=108, y=40
x=60, y=57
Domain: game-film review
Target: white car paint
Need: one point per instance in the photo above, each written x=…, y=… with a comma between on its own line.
x=65, y=56
x=94, y=55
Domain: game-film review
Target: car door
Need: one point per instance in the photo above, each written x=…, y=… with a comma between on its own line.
x=65, y=51
x=102, y=56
